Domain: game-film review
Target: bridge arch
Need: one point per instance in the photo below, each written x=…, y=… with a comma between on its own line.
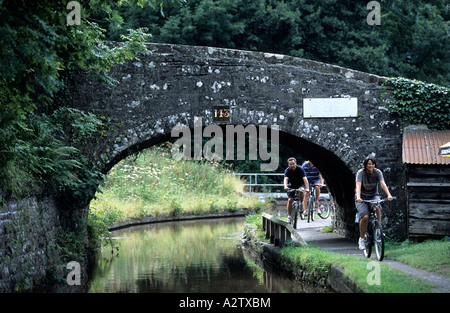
x=174, y=84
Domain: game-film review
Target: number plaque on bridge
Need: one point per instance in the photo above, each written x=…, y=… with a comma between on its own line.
x=330, y=107
x=221, y=114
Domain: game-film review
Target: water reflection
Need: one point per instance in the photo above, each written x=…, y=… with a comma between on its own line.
x=194, y=256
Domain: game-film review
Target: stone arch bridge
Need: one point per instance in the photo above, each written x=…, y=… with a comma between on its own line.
x=174, y=84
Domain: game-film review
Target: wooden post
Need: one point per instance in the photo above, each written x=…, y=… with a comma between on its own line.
x=283, y=235
x=276, y=240
x=288, y=235
x=267, y=228
x=278, y=232
x=272, y=232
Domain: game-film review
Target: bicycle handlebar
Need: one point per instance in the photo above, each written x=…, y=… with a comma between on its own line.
x=378, y=201
x=301, y=190
x=304, y=190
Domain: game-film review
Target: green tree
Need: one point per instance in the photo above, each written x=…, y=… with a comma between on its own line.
x=412, y=40
x=418, y=37
x=38, y=56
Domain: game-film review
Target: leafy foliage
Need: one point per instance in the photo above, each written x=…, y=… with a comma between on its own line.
x=418, y=40
x=39, y=153
x=38, y=48
x=98, y=224
x=154, y=183
x=417, y=102
x=38, y=56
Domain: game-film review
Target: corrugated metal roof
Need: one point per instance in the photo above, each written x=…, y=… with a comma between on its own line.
x=422, y=146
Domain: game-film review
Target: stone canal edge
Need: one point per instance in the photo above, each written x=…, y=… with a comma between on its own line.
x=181, y=217
x=268, y=257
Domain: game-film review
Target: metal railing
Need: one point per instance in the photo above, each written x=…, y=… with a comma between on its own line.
x=253, y=179
x=253, y=182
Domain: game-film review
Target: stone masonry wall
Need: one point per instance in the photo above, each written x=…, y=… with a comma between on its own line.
x=30, y=251
x=174, y=84
x=28, y=232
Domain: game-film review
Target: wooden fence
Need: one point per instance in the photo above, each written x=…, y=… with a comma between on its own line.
x=278, y=232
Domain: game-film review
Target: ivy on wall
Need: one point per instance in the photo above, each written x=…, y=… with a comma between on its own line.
x=417, y=102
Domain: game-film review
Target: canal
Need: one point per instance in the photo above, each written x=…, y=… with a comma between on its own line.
x=185, y=257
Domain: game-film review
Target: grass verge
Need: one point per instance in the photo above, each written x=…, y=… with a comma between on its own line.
x=154, y=184
x=430, y=255
x=370, y=275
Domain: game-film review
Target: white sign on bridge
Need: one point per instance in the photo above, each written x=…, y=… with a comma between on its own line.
x=330, y=107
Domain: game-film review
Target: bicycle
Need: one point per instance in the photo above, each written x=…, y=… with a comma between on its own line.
x=374, y=235
x=295, y=206
x=323, y=209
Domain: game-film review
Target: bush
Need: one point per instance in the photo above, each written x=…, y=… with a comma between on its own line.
x=154, y=183
x=417, y=102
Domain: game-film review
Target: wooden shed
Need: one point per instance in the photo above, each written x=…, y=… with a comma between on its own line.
x=427, y=182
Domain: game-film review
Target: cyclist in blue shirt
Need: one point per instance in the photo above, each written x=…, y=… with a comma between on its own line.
x=294, y=178
x=315, y=180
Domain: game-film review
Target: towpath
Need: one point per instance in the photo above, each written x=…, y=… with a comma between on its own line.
x=310, y=232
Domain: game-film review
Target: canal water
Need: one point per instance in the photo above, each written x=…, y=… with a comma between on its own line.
x=187, y=256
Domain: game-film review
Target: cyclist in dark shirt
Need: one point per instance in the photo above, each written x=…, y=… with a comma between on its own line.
x=294, y=178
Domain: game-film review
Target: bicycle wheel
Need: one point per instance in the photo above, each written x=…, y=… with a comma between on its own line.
x=301, y=212
x=310, y=210
x=324, y=208
x=368, y=237
x=295, y=215
x=378, y=239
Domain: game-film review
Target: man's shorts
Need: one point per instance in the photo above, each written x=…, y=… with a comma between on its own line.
x=317, y=182
x=363, y=208
x=291, y=194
